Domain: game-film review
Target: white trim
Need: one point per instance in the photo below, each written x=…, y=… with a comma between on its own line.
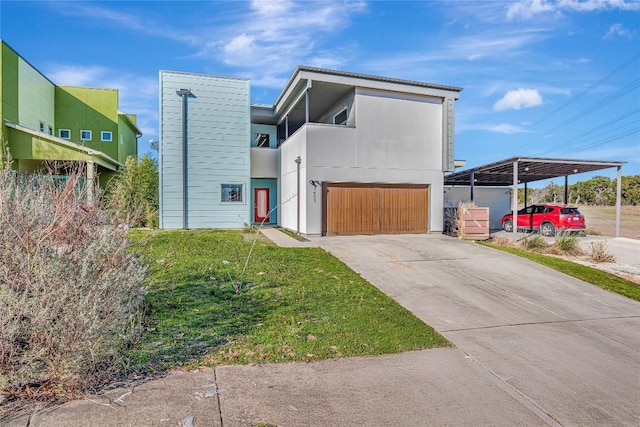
x=64, y=130
x=102, y=134
x=86, y=131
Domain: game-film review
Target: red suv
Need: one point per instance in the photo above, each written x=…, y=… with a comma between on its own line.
x=547, y=219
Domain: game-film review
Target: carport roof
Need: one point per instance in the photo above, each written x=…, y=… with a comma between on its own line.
x=529, y=169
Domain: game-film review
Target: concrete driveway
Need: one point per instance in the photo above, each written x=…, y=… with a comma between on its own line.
x=567, y=350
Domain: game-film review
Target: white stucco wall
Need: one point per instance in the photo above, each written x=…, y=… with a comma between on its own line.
x=294, y=147
x=398, y=139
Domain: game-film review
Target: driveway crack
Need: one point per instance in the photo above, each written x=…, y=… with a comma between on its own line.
x=215, y=381
x=548, y=322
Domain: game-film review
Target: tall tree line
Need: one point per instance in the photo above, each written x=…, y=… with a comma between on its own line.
x=598, y=190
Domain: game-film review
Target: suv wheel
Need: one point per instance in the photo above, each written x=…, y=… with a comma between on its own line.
x=508, y=226
x=547, y=229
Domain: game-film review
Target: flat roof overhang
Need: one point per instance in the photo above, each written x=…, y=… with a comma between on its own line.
x=529, y=169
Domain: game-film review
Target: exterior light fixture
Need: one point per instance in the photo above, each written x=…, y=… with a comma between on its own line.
x=575, y=171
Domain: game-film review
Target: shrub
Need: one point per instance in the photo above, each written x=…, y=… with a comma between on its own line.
x=598, y=252
x=568, y=244
x=133, y=192
x=534, y=243
x=70, y=291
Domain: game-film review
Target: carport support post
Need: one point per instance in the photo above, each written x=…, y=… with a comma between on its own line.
x=525, y=194
x=473, y=178
x=566, y=189
x=618, y=197
x=514, y=201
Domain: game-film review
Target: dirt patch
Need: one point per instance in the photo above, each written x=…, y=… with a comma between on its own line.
x=602, y=220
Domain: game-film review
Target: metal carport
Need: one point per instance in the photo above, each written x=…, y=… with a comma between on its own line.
x=518, y=170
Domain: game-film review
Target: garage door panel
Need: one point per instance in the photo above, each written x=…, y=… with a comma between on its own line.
x=375, y=209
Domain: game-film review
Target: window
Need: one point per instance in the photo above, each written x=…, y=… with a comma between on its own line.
x=121, y=139
x=261, y=140
x=50, y=130
x=41, y=127
x=64, y=133
x=231, y=192
x=340, y=118
x=85, y=135
x=106, y=136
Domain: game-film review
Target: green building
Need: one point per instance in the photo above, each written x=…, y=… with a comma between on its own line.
x=42, y=121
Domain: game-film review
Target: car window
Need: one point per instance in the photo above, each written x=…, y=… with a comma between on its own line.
x=538, y=209
x=570, y=211
x=549, y=209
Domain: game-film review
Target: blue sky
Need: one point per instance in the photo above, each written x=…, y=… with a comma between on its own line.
x=540, y=78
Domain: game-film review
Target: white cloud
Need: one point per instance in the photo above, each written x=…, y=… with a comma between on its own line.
x=274, y=37
x=617, y=30
x=505, y=128
x=518, y=99
x=73, y=75
x=527, y=9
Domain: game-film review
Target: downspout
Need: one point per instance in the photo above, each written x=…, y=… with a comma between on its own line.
x=298, y=161
x=184, y=93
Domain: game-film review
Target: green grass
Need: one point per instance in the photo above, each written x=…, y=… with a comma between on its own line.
x=594, y=276
x=295, y=304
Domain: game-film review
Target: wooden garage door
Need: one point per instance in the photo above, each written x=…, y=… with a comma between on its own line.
x=351, y=208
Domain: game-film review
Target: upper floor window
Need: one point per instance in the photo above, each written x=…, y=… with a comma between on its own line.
x=340, y=118
x=50, y=130
x=41, y=127
x=85, y=135
x=64, y=133
x=261, y=140
x=106, y=136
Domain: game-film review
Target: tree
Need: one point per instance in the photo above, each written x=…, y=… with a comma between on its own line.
x=133, y=193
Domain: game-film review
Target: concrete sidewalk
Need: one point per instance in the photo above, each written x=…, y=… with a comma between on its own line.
x=431, y=387
x=283, y=240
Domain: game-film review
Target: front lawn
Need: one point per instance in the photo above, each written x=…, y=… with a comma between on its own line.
x=291, y=304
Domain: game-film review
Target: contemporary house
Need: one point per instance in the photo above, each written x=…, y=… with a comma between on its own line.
x=337, y=153
x=42, y=121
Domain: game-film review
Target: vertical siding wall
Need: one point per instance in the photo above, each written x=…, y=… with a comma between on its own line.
x=218, y=125
x=36, y=98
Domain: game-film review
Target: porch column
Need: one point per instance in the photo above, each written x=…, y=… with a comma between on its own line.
x=306, y=105
x=472, y=184
x=91, y=177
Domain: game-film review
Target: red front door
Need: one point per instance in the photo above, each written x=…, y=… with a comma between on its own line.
x=261, y=204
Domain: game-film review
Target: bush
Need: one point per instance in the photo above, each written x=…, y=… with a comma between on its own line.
x=534, y=243
x=598, y=252
x=133, y=192
x=70, y=291
x=568, y=244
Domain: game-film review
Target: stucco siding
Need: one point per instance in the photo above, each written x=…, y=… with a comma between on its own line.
x=218, y=141
x=36, y=98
